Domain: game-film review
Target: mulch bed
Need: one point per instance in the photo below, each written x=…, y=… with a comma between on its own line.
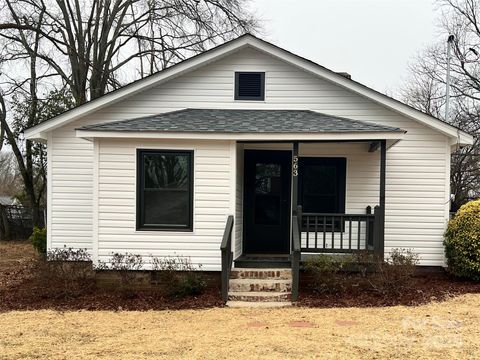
x=425, y=288
x=24, y=299
x=21, y=288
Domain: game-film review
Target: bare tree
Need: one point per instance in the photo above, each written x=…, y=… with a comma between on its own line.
x=426, y=89
x=10, y=180
x=89, y=48
x=87, y=43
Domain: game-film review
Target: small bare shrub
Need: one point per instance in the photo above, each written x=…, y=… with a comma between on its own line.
x=67, y=270
x=395, y=274
x=126, y=265
x=177, y=277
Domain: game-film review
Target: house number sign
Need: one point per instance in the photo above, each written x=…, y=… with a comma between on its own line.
x=295, y=166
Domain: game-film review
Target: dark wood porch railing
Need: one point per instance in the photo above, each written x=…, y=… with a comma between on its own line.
x=341, y=233
x=227, y=256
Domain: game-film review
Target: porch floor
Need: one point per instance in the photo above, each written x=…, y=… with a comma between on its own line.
x=263, y=261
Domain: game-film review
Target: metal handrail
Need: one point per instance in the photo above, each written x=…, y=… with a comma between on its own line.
x=227, y=256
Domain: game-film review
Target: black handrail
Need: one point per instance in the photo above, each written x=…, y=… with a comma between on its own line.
x=227, y=256
x=296, y=252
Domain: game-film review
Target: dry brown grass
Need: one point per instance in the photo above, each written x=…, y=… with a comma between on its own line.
x=439, y=330
x=16, y=257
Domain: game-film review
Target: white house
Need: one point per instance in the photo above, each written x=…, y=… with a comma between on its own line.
x=251, y=130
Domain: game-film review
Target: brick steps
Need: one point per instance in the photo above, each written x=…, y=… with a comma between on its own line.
x=265, y=285
x=248, y=273
x=269, y=287
x=259, y=296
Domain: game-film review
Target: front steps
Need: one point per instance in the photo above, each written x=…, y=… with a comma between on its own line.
x=250, y=287
x=267, y=261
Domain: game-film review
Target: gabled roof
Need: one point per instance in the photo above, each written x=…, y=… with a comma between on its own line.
x=242, y=121
x=248, y=40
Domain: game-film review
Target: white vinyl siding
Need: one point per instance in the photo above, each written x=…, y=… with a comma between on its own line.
x=70, y=200
x=417, y=167
x=117, y=191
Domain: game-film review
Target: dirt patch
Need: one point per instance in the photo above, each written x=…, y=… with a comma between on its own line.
x=301, y=324
x=438, y=330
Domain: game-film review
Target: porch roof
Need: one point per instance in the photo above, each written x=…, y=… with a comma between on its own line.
x=242, y=121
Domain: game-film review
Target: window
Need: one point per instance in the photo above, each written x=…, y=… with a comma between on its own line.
x=322, y=184
x=165, y=190
x=250, y=86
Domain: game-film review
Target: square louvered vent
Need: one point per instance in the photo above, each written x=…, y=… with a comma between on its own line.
x=250, y=86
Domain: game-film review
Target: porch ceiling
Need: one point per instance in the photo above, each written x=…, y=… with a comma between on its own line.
x=232, y=121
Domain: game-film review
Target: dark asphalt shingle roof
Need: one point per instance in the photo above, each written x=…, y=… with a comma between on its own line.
x=242, y=121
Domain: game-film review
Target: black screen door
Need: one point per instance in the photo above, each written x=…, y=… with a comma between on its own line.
x=267, y=201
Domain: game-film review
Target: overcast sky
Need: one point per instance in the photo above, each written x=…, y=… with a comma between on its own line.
x=373, y=40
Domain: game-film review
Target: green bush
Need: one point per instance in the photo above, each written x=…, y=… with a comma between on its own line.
x=39, y=240
x=328, y=272
x=462, y=242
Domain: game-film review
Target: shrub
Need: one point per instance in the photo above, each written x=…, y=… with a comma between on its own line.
x=39, y=240
x=127, y=265
x=363, y=271
x=395, y=274
x=328, y=272
x=68, y=271
x=177, y=276
x=462, y=242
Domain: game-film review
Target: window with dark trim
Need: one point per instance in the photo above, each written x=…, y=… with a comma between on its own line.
x=250, y=86
x=322, y=183
x=165, y=190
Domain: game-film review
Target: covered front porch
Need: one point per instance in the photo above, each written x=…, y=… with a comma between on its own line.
x=296, y=199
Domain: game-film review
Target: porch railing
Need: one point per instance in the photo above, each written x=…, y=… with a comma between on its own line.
x=341, y=233
x=227, y=256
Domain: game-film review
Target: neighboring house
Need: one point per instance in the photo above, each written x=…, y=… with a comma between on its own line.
x=251, y=130
x=9, y=200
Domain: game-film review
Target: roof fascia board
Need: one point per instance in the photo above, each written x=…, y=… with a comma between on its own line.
x=89, y=134
x=136, y=87
x=361, y=90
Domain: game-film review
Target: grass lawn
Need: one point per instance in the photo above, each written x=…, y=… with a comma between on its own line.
x=30, y=328
x=447, y=329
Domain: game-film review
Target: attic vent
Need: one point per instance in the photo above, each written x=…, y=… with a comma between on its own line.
x=250, y=86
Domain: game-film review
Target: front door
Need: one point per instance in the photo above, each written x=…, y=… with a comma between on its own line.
x=267, y=195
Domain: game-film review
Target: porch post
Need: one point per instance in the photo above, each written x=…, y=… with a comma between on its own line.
x=295, y=177
x=383, y=165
